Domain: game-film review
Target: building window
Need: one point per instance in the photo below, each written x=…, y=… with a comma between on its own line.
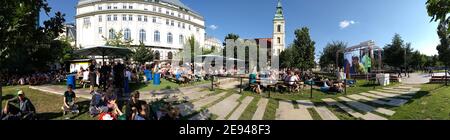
x=157, y=37
x=198, y=29
x=124, y=6
x=109, y=7
x=100, y=30
x=124, y=17
x=112, y=34
x=154, y=20
x=167, y=22
x=160, y=10
x=115, y=17
x=115, y=7
x=189, y=27
x=139, y=18
x=279, y=28
x=154, y=9
x=184, y=26
x=86, y=21
x=167, y=12
x=172, y=23
x=173, y=14
x=181, y=39
x=279, y=40
x=130, y=17
x=145, y=19
x=100, y=18
x=127, y=34
x=169, y=38
x=142, y=35
x=179, y=15
x=130, y=7
x=179, y=24
x=100, y=8
x=109, y=17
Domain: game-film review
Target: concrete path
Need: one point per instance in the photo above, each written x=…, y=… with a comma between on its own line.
x=325, y=114
x=286, y=111
x=223, y=108
x=417, y=78
x=366, y=108
x=207, y=100
x=377, y=101
x=238, y=112
x=411, y=93
x=390, y=95
x=368, y=116
x=262, y=104
x=190, y=96
x=391, y=100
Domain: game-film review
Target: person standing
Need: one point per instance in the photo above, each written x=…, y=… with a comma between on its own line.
x=92, y=74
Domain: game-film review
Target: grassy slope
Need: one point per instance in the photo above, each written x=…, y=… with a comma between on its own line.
x=431, y=103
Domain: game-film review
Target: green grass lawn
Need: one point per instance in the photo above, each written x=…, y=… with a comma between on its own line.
x=48, y=106
x=275, y=97
x=431, y=103
x=165, y=84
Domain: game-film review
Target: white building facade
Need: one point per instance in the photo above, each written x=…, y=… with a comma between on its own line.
x=211, y=42
x=162, y=25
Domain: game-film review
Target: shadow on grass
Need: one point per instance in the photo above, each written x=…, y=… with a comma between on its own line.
x=7, y=97
x=83, y=107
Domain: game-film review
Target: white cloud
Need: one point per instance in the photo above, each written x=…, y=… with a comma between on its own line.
x=346, y=23
x=213, y=27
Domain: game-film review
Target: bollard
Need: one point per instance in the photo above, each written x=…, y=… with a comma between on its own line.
x=240, y=86
x=311, y=96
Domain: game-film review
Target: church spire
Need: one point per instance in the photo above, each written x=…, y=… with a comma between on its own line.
x=279, y=13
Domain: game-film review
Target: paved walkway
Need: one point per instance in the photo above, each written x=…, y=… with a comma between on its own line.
x=238, y=112
x=416, y=78
x=223, y=108
x=259, y=114
x=286, y=111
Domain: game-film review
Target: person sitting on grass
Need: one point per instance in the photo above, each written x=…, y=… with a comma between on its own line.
x=19, y=108
x=98, y=104
x=140, y=114
x=134, y=106
x=70, y=101
x=113, y=113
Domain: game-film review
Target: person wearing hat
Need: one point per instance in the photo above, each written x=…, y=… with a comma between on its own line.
x=19, y=108
x=69, y=101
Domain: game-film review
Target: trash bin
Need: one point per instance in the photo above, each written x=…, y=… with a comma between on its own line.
x=157, y=79
x=148, y=74
x=383, y=79
x=71, y=81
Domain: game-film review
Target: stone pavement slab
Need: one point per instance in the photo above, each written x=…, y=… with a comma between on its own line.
x=391, y=100
x=377, y=101
x=207, y=100
x=238, y=112
x=325, y=114
x=366, y=108
x=305, y=104
x=390, y=95
x=347, y=109
x=262, y=104
x=223, y=108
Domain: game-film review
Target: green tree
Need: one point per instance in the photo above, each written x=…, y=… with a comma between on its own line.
x=394, y=53
x=328, y=57
x=118, y=40
x=303, y=50
x=439, y=11
x=142, y=54
x=286, y=60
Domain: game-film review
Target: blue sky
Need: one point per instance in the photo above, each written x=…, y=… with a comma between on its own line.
x=351, y=21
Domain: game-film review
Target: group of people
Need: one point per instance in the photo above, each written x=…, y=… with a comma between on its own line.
x=38, y=78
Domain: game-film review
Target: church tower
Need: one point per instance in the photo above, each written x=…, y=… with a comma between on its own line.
x=279, y=34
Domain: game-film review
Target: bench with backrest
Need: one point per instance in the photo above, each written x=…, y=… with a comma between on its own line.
x=439, y=79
